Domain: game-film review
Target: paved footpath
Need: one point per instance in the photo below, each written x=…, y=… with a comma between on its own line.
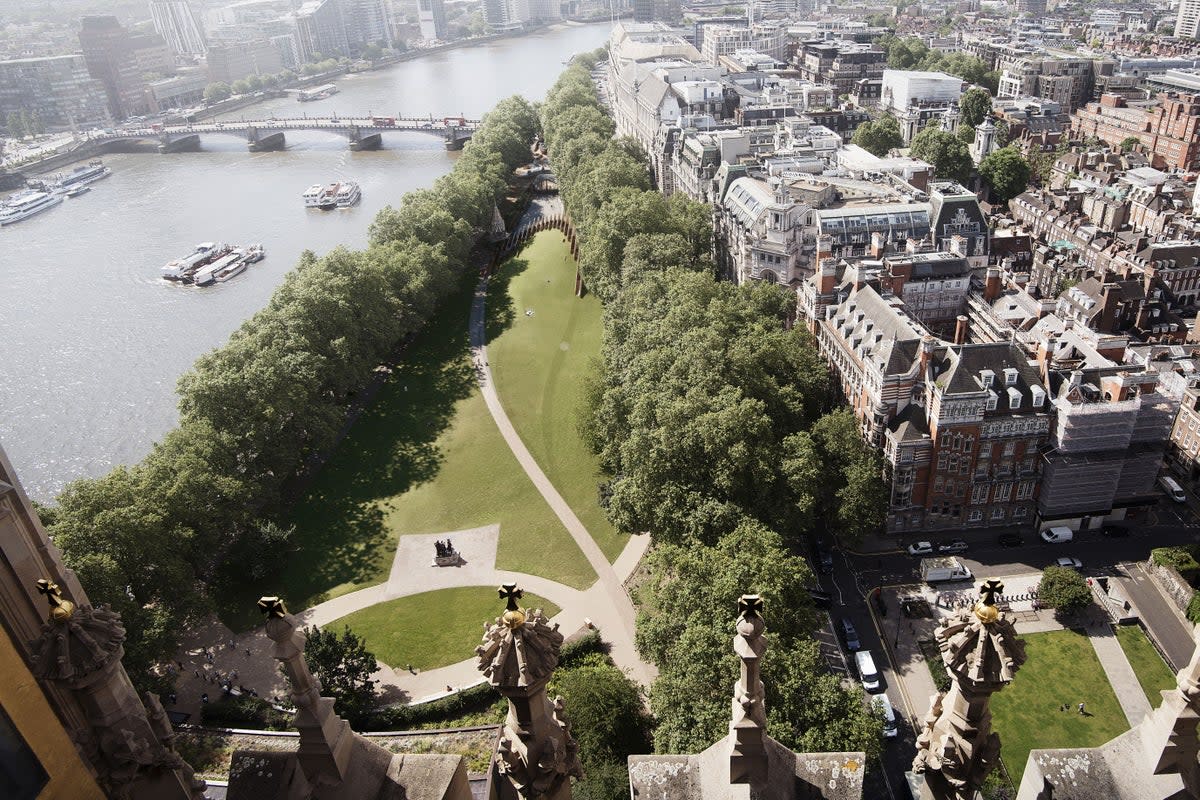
x=1116, y=666
x=614, y=613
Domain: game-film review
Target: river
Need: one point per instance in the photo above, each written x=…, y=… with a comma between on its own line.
x=93, y=341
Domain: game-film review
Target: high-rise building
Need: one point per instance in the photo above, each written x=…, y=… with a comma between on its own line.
x=320, y=29
x=56, y=88
x=367, y=22
x=506, y=15
x=109, y=55
x=228, y=63
x=432, y=17
x=176, y=22
x=1188, y=22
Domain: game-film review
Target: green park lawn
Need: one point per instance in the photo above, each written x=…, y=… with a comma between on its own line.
x=1152, y=672
x=399, y=632
x=425, y=457
x=1062, y=667
x=540, y=363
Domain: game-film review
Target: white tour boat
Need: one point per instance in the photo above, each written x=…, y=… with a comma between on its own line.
x=348, y=194
x=26, y=205
x=208, y=273
x=312, y=195
x=180, y=268
x=82, y=176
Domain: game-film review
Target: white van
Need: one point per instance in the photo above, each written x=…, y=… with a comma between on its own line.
x=1173, y=489
x=884, y=706
x=866, y=671
x=1058, y=534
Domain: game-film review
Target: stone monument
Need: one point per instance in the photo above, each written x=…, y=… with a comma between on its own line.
x=536, y=755
x=956, y=748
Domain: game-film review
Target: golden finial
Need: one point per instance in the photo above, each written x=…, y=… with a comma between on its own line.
x=61, y=608
x=985, y=610
x=514, y=616
x=273, y=607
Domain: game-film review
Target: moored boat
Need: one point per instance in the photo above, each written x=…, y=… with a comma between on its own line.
x=312, y=195
x=78, y=190
x=255, y=253
x=182, y=268
x=328, y=198
x=81, y=176
x=348, y=194
x=26, y=205
x=237, y=267
x=208, y=273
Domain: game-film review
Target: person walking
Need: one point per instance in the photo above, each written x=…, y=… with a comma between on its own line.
x=1081, y=708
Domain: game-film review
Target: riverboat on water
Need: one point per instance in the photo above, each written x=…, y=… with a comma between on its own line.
x=182, y=269
x=316, y=93
x=348, y=194
x=212, y=263
x=82, y=176
x=27, y=204
x=78, y=190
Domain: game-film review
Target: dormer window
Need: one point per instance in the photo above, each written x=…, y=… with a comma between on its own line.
x=1014, y=397
x=986, y=376
x=1010, y=376
x=1039, y=396
x=992, y=400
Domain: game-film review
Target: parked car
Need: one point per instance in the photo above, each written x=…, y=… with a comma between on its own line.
x=1058, y=534
x=821, y=599
x=921, y=549
x=952, y=546
x=850, y=634
x=1172, y=489
x=1115, y=529
x=867, y=672
x=1010, y=540
x=1069, y=562
x=884, y=708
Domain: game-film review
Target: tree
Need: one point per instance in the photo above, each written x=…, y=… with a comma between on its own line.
x=240, y=87
x=1064, y=590
x=15, y=125
x=344, y=666
x=1007, y=171
x=975, y=106
x=854, y=503
x=372, y=52
x=879, y=136
x=255, y=82
x=1129, y=142
x=216, y=92
x=945, y=151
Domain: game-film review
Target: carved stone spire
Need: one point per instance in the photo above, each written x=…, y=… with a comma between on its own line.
x=748, y=761
x=536, y=755
x=325, y=738
x=1170, y=732
x=80, y=648
x=957, y=747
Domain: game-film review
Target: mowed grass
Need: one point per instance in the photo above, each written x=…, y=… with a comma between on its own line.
x=540, y=362
x=425, y=457
x=1062, y=667
x=1152, y=672
x=400, y=634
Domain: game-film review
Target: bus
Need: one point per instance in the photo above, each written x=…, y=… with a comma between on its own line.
x=383, y=122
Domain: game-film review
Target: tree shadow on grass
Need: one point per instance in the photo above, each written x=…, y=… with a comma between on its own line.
x=340, y=533
x=500, y=311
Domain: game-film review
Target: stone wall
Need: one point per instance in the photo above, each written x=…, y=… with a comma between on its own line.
x=1173, y=584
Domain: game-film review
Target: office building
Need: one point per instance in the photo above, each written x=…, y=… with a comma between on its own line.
x=321, y=30
x=506, y=15
x=367, y=22
x=109, y=55
x=1187, y=24
x=431, y=15
x=228, y=63
x=176, y=22
x=57, y=89
x=1169, y=132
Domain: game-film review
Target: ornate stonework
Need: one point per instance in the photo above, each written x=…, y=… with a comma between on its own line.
x=537, y=754
x=957, y=748
x=748, y=761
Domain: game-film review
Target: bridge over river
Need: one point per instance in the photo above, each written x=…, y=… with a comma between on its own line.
x=363, y=132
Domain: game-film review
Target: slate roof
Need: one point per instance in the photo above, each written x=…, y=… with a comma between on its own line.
x=877, y=331
x=958, y=371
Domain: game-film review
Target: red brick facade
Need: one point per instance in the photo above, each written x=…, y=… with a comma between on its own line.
x=1170, y=131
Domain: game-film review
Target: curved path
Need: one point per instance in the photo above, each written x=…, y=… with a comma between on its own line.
x=614, y=613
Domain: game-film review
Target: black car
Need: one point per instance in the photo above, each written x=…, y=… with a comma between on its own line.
x=1010, y=540
x=1115, y=529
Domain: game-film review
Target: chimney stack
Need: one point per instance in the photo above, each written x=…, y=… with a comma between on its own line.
x=991, y=286
x=960, y=330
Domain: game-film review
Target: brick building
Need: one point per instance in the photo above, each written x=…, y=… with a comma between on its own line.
x=1169, y=131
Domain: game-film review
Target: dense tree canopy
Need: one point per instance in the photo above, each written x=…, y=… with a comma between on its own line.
x=909, y=52
x=879, y=136
x=344, y=667
x=1007, y=171
x=946, y=152
x=1064, y=590
x=974, y=106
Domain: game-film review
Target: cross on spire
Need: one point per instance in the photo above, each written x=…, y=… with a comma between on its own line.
x=273, y=607
x=510, y=592
x=750, y=605
x=989, y=590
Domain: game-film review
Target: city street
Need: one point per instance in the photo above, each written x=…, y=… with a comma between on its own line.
x=855, y=575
